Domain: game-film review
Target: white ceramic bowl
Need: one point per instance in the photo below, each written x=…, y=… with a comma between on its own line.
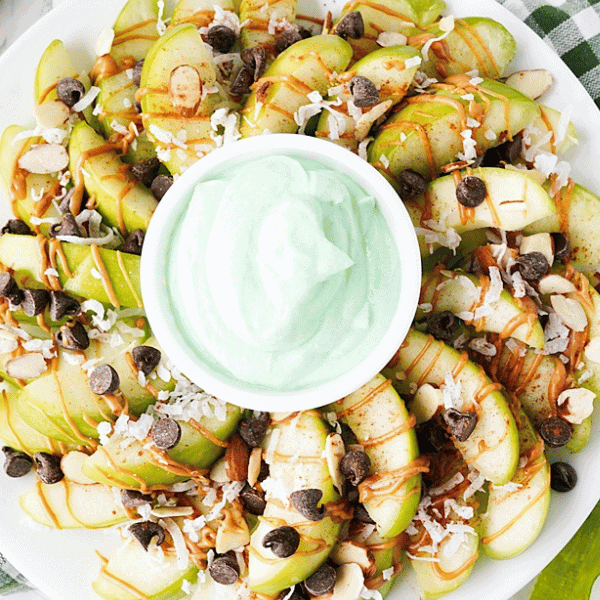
x=157, y=294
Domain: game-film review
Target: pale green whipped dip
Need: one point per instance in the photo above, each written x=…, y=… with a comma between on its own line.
x=283, y=273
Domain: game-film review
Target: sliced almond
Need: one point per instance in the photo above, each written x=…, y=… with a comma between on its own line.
x=52, y=115
x=391, y=38
x=532, y=83
x=185, y=89
x=539, y=242
x=70, y=465
x=218, y=472
x=237, y=456
x=349, y=582
x=555, y=284
x=592, y=350
x=576, y=404
x=335, y=451
x=104, y=41
x=232, y=533
x=364, y=124
x=254, y=466
x=172, y=511
x=426, y=403
x=26, y=366
x=349, y=551
x=44, y=159
x=570, y=312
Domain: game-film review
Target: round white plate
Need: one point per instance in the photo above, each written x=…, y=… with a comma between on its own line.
x=63, y=563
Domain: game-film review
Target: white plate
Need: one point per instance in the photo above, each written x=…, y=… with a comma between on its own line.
x=63, y=563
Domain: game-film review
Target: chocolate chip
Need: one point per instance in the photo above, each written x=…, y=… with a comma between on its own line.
x=17, y=464
x=70, y=91
x=242, y=81
x=146, y=358
x=166, y=433
x=134, y=498
x=253, y=500
x=287, y=38
x=253, y=430
x=555, y=432
x=471, y=191
x=47, y=467
x=65, y=204
x=67, y=226
x=264, y=471
x=134, y=242
x=532, y=266
x=255, y=58
x=432, y=436
x=355, y=466
x=460, y=424
x=221, y=38
x=348, y=436
x=442, y=326
x=297, y=593
x=34, y=301
x=160, y=185
x=412, y=184
x=62, y=304
x=363, y=90
x=9, y=288
x=512, y=149
x=137, y=72
x=563, y=477
x=305, y=33
x=225, y=569
x=146, y=170
x=104, y=380
x=73, y=336
x=321, y=581
x=145, y=531
x=282, y=541
x=351, y=26
x=305, y=502
x=561, y=245
x=361, y=514
x=16, y=227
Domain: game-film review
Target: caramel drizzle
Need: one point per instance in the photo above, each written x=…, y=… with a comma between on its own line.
x=449, y=575
x=149, y=387
x=365, y=399
x=403, y=427
x=55, y=250
x=106, y=281
x=207, y=434
x=39, y=488
x=124, y=35
x=124, y=585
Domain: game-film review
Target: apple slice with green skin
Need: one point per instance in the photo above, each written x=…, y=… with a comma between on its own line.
x=259, y=15
x=515, y=515
x=302, y=68
x=132, y=466
x=198, y=12
x=121, y=199
x=180, y=137
x=550, y=121
x=131, y=573
x=135, y=30
x=69, y=505
x=382, y=425
x=387, y=555
x=446, y=290
x=426, y=132
x=493, y=447
x=294, y=452
x=474, y=43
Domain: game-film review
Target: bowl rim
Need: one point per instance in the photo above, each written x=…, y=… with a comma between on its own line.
x=159, y=308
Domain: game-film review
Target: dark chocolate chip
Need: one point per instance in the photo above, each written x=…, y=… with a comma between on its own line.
x=161, y=185
x=351, y=26
x=104, y=380
x=137, y=72
x=355, y=466
x=145, y=358
x=17, y=464
x=134, y=498
x=563, y=477
x=442, y=326
x=146, y=170
x=9, y=288
x=47, y=467
x=253, y=500
x=471, y=191
x=412, y=184
x=512, y=150
x=361, y=514
x=348, y=436
x=460, y=424
x=255, y=58
x=287, y=38
x=305, y=33
x=145, y=531
x=297, y=593
x=253, y=430
x=16, y=227
x=134, y=242
x=282, y=541
x=221, y=38
x=70, y=91
x=264, y=471
x=34, y=301
x=321, y=582
x=555, y=432
x=73, y=336
x=432, y=436
x=242, y=81
x=166, y=433
x=225, y=569
x=305, y=502
x=561, y=245
x=67, y=226
x=532, y=266
x=363, y=90
x=62, y=304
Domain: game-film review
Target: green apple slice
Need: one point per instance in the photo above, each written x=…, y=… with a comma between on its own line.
x=387, y=555
x=493, y=447
x=563, y=135
x=69, y=505
x=135, y=30
x=259, y=14
x=446, y=290
x=381, y=423
x=131, y=574
x=294, y=452
x=198, y=12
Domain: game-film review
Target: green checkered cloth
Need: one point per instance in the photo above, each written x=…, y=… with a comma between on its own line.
x=10, y=580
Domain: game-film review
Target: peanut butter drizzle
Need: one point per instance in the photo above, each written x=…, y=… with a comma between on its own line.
x=548, y=126
x=124, y=585
x=379, y=7
x=44, y=261
x=10, y=425
x=39, y=488
x=403, y=427
x=208, y=434
x=55, y=250
x=340, y=511
x=106, y=281
x=131, y=364
x=365, y=399
x=471, y=34
x=448, y=575
x=201, y=18
x=161, y=458
x=292, y=83
x=124, y=35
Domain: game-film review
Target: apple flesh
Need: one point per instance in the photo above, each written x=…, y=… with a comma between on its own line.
x=135, y=30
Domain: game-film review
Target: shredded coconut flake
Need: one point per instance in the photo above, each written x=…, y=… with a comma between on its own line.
x=89, y=97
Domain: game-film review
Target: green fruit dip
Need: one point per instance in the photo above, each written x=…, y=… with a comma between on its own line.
x=283, y=274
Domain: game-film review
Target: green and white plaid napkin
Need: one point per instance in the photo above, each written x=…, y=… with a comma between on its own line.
x=10, y=580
